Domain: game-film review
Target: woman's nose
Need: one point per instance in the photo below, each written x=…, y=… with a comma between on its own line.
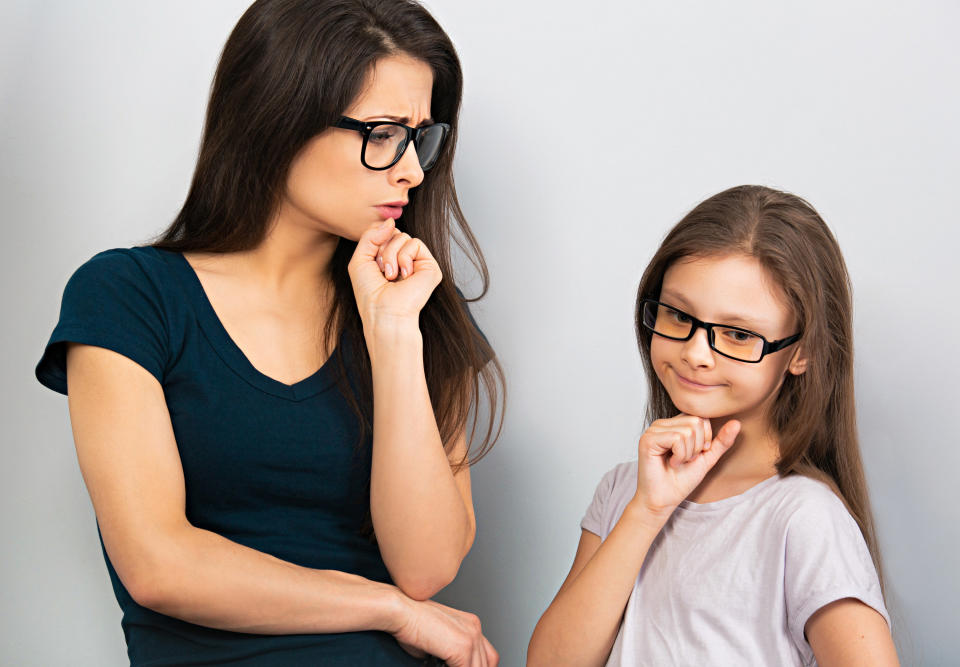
x=407, y=170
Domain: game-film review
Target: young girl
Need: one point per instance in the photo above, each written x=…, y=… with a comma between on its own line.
x=742, y=535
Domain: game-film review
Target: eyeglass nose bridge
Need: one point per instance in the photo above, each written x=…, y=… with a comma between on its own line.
x=696, y=324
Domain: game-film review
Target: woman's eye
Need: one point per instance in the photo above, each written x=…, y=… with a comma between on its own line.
x=380, y=136
x=683, y=318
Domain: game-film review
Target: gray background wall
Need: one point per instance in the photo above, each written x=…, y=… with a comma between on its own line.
x=587, y=130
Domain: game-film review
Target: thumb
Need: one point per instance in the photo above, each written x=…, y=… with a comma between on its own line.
x=726, y=436
x=370, y=241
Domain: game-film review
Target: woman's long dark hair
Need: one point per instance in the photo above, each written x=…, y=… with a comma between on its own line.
x=288, y=71
x=814, y=413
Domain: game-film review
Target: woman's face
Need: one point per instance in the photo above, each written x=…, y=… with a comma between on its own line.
x=328, y=189
x=734, y=290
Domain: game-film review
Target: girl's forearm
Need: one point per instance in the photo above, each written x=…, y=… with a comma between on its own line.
x=201, y=577
x=420, y=517
x=581, y=624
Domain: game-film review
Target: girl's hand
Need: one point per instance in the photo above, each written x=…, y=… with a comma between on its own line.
x=674, y=457
x=393, y=274
x=452, y=635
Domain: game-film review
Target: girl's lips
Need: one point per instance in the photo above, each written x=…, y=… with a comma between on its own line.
x=389, y=211
x=694, y=385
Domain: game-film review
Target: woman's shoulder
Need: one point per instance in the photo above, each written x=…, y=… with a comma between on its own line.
x=138, y=263
x=122, y=299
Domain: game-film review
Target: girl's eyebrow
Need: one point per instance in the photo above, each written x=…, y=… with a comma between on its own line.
x=746, y=321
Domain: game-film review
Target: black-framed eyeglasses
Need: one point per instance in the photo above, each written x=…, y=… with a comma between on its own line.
x=732, y=342
x=384, y=142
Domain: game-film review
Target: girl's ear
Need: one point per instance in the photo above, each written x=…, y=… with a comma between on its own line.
x=798, y=364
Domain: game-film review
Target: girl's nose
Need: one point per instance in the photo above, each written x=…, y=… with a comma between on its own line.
x=696, y=351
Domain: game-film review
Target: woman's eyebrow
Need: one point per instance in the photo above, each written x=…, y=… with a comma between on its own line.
x=403, y=120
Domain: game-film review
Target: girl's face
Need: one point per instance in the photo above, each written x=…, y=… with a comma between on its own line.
x=328, y=189
x=734, y=290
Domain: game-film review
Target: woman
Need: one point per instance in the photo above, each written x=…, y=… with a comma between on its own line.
x=269, y=403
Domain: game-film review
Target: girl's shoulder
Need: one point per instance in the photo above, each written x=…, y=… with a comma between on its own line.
x=799, y=498
x=617, y=486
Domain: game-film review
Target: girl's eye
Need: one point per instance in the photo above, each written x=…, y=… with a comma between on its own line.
x=739, y=337
x=683, y=318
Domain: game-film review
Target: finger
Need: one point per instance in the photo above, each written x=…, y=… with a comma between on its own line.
x=690, y=443
x=376, y=235
x=728, y=433
x=493, y=658
x=677, y=450
x=707, y=435
x=389, y=254
x=479, y=657
x=407, y=255
x=726, y=436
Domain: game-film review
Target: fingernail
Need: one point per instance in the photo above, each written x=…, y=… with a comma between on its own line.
x=388, y=269
x=380, y=262
x=403, y=273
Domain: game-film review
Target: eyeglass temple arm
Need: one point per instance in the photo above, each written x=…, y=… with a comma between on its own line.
x=775, y=345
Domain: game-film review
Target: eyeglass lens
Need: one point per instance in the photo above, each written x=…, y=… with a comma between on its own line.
x=672, y=323
x=386, y=143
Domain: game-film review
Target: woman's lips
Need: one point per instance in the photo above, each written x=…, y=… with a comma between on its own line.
x=389, y=211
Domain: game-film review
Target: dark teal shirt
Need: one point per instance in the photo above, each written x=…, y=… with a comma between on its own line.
x=278, y=468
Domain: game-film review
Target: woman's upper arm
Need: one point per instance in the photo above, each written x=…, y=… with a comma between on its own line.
x=849, y=633
x=461, y=476
x=129, y=460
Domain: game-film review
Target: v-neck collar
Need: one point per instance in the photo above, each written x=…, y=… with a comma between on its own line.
x=230, y=352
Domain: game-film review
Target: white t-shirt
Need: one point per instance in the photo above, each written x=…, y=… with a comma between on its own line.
x=733, y=582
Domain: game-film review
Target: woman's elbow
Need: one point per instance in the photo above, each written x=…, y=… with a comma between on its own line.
x=148, y=571
x=423, y=583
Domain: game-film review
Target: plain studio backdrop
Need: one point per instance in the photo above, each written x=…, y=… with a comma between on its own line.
x=588, y=129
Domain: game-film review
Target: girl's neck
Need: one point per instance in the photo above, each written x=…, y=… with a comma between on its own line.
x=752, y=459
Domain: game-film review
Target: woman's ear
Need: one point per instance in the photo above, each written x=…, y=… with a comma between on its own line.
x=798, y=363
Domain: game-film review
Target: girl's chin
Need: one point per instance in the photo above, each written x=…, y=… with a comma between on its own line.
x=704, y=408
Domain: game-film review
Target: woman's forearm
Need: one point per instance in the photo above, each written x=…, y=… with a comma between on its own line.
x=423, y=526
x=201, y=577
x=581, y=624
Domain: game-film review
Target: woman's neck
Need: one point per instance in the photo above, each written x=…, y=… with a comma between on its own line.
x=291, y=264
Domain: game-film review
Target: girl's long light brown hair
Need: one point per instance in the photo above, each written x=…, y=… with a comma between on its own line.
x=814, y=413
x=288, y=71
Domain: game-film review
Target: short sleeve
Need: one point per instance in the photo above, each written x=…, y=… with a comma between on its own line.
x=827, y=560
x=607, y=499
x=109, y=302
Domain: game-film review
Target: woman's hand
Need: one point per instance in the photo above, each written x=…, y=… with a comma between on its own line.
x=452, y=635
x=393, y=274
x=674, y=456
